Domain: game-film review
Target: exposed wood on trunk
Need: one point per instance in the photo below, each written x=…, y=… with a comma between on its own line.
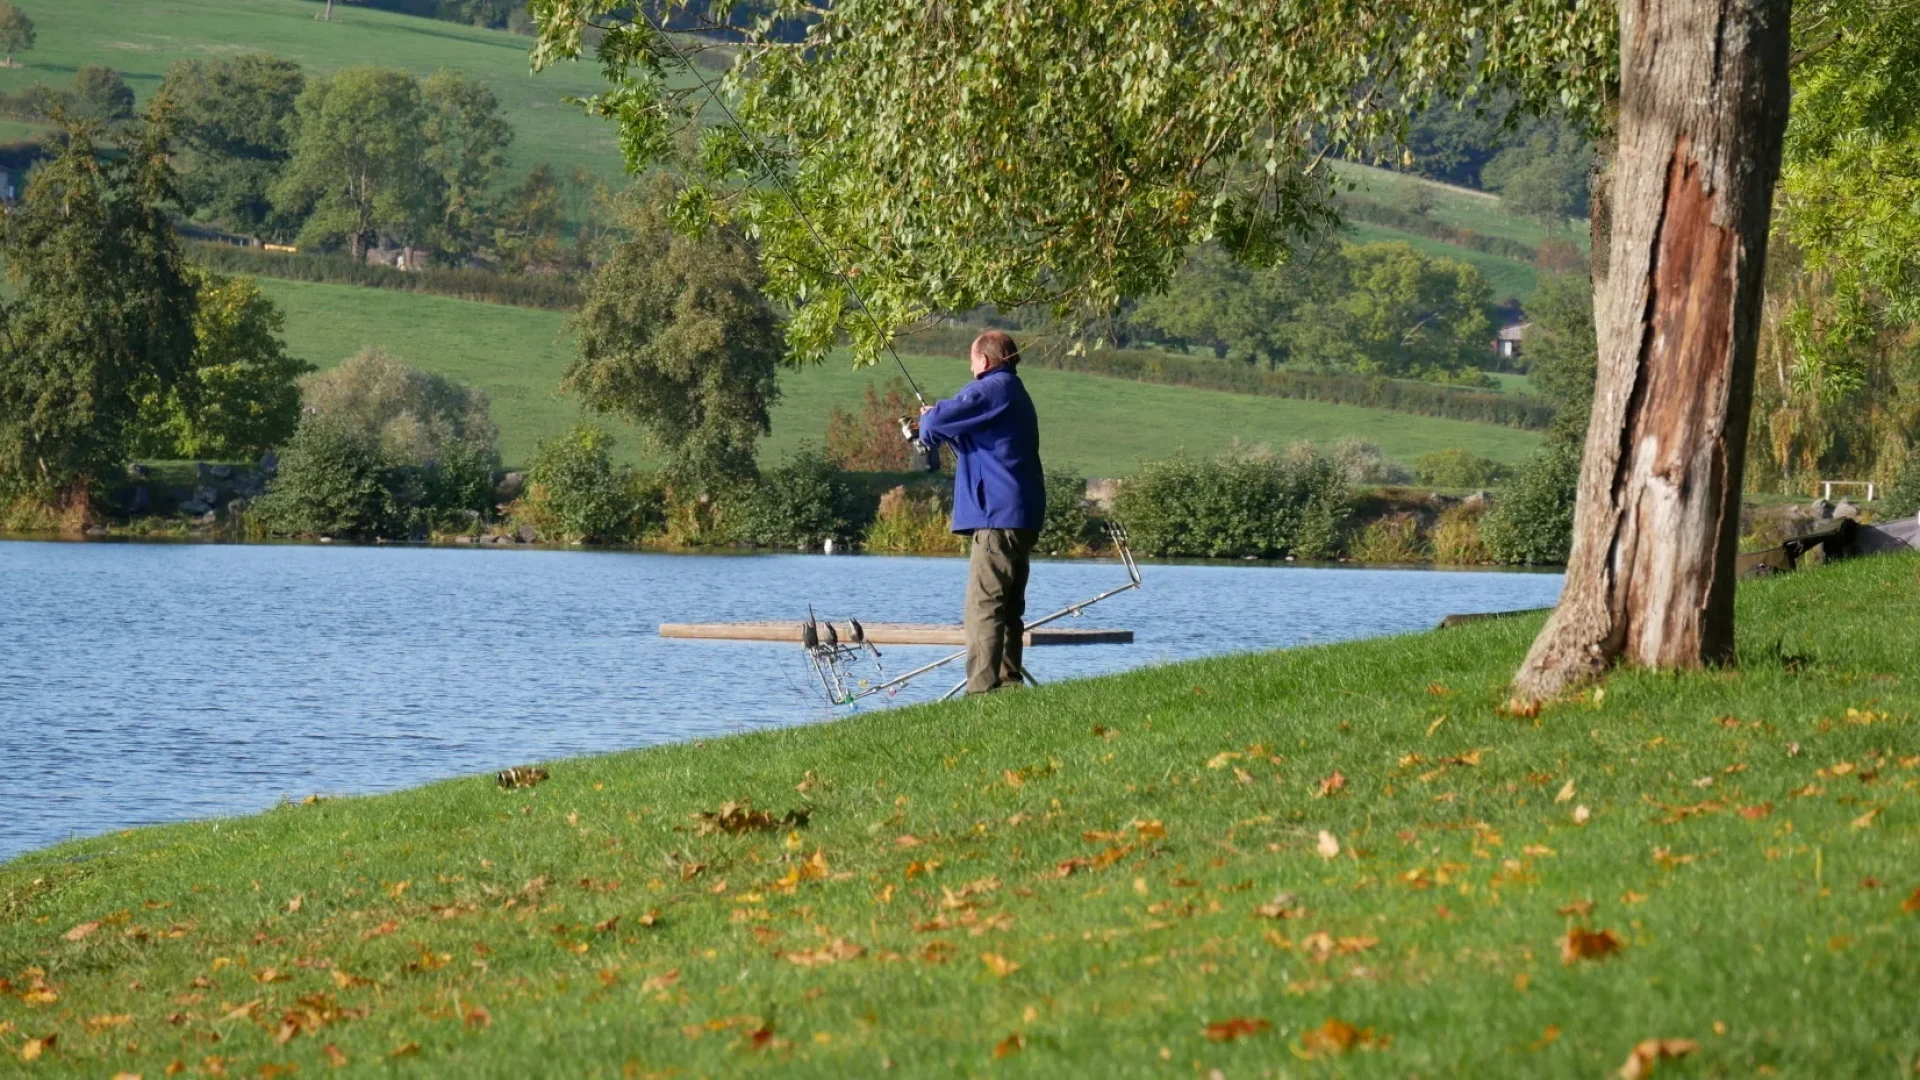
x=1702, y=112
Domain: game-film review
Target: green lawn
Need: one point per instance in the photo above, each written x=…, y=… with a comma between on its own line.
x=1339, y=861
x=1103, y=427
x=1460, y=207
x=141, y=40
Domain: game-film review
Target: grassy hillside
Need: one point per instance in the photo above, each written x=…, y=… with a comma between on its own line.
x=1102, y=426
x=141, y=40
x=1338, y=861
x=1509, y=277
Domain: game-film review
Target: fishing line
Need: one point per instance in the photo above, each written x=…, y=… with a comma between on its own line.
x=780, y=182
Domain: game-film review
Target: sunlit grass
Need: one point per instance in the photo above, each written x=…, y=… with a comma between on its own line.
x=1749, y=838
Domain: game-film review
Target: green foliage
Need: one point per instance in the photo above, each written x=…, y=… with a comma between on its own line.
x=528, y=229
x=413, y=416
x=1372, y=309
x=1544, y=177
x=1390, y=540
x=676, y=337
x=100, y=94
x=909, y=523
x=1069, y=523
x=1562, y=352
x=799, y=503
x=576, y=494
x=355, y=176
x=333, y=480
x=240, y=395
x=1456, y=539
x=1237, y=504
x=16, y=31
x=909, y=135
x=1363, y=462
x=233, y=117
x=1903, y=497
x=102, y=313
x=1531, y=523
x=1457, y=468
x=466, y=144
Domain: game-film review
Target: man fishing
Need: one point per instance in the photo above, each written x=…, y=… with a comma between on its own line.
x=999, y=500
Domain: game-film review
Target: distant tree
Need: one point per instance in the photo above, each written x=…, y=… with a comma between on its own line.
x=241, y=393
x=232, y=117
x=1562, y=349
x=1415, y=316
x=101, y=94
x=101, y=311
x=413, y=416
x=359, y=140
x=466, y=143
x=16, y=31
x=530, y=225
x=676, y=337
x=1545, y=177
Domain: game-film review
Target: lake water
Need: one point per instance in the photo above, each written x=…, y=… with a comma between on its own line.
x=144, y=683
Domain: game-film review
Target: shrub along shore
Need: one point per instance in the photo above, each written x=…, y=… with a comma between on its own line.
x=1349, y=858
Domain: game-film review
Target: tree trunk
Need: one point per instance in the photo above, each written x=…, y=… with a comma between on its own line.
x=1703, y=108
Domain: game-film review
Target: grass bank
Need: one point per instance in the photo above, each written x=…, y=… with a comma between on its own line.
x=1099, y=426
x=1333, y=861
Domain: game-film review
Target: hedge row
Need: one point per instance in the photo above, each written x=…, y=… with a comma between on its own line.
x=1207, y=373
x=548, y=292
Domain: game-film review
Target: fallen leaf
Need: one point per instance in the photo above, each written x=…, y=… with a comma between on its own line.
x=1336, y=1036
x=655, y=983
x=1566, y=792
x=405, y=1050
x=1332, y=785
x=110, y=1020
x=836, y=951
x=1221, y=759
x=346, y=981
x=1912, y=903
x=1865, y=820
x=33, y=1048
x=1581, y=944
x=1237, y=1027
x=1579, y=909
x=999, y=965
x=294, y=905
x=1755, y=813
x=382, y=930
x=1648, y=1052
x=1327, y=845
x=478, y=1017
x=1631, y=897
x=737, y=818
x=1012, y=1044
x=80, y=932
x=1548, y=1037
x=272, y=975
x=1582, y=815
x=334, y=1057
x=607, y=924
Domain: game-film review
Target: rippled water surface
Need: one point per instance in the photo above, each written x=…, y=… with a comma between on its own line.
x=153, y=682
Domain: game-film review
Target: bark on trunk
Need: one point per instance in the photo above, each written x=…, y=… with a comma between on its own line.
x=1703, y=107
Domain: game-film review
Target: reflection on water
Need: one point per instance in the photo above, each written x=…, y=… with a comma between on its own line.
x=153, y=682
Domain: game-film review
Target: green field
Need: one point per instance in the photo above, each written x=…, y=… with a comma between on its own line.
x=1345, y=861
x=141, y=40
x=1104, y=427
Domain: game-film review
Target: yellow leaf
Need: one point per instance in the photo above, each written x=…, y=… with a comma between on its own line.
x=334, y=1057
x=661, y=981
x=999, y=965
x=80, y=932
x=1865, y=820
x=1566, y=792
x=33, y=1048
x=1648, y=1052
x=1220, y=760
x=1327, y=845
x=1012, y=1044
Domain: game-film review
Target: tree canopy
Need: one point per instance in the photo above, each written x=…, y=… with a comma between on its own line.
x=232, y=117
x=102, y=312
x=1069, y=157
x=676, y=337
x=359, y=137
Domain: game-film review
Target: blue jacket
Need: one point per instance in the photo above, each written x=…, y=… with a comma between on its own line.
x=995, y=435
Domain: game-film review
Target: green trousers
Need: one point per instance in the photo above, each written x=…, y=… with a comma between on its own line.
x=997, y=607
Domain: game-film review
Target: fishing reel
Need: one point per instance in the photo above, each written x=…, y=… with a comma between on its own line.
x=920, y=456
